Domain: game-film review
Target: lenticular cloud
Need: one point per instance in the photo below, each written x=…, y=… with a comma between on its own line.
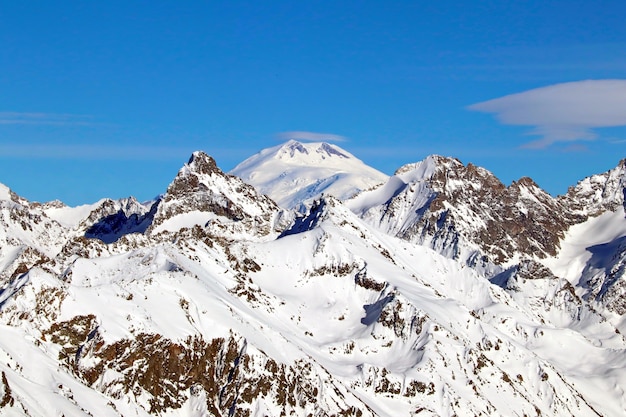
x=311, y=136
x=562, y=112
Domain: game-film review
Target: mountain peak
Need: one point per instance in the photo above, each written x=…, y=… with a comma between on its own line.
x=188, y=179
x=201, y=163
x=598, y=193
x=444, y=204
x=307, y=153
x=526, y=181
x=427, y=167
x=330, y=150
x=5, y=193
x=227, y=305
x=291, y=148
x=202, y=193
x=295, y=172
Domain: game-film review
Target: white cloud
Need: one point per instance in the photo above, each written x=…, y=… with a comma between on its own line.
x=311, y=137
x=55, y=119
x=562, y=112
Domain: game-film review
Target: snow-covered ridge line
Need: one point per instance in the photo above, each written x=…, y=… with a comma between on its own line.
x=212, y=300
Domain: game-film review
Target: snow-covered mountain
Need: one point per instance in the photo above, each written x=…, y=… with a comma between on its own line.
x=295, y=172
x=440, y=292
x=466, y=213
x=201, y=194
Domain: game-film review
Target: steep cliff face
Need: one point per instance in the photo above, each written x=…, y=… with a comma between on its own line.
x=112, y=219
x=595, y=249
x=465, y=213
x=28, y=237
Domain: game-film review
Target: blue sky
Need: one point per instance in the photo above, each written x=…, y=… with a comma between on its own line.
x=109, y=99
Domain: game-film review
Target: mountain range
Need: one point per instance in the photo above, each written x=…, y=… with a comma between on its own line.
x=305, y=283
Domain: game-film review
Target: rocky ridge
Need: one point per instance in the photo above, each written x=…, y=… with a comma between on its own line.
x=466, y=213
x=225, y=200
x=598, y=193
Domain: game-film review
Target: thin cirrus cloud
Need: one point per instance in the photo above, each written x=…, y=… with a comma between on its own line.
x=566, y=112
x=50, y=119
x=311, y=136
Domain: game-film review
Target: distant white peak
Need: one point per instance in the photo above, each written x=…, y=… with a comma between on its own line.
x=290, y=149
x=330, y=150
x=310, y=152
x=295, y=172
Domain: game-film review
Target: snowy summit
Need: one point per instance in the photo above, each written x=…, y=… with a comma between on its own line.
x=295, y=172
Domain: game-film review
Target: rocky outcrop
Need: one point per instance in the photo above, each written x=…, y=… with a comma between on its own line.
x=466, y=212
x=201, y=187
x=114, y=219
x=598, y=193
x=161, y=374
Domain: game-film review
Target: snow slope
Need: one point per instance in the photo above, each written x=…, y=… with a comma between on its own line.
x=213, y=301
x=326, y=306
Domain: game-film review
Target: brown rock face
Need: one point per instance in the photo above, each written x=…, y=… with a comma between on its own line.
x=202, y=163
x=170, y=372
x=468, y=203
x=201, y=186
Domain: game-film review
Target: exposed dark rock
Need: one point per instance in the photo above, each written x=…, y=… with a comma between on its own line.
x=170, y=372
x=113, y=226
x=307, y=221
x=468, y=203
x=201, y=186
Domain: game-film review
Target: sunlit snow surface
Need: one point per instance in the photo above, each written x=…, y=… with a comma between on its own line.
x=5, y=193
x=71, y=216
x=574, y=253
x=296, y=172
x=307, y=309
x=387, y=326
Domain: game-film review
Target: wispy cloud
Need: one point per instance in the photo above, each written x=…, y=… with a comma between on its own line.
x=50, y=119
x=311, y=136
x=562, y=112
